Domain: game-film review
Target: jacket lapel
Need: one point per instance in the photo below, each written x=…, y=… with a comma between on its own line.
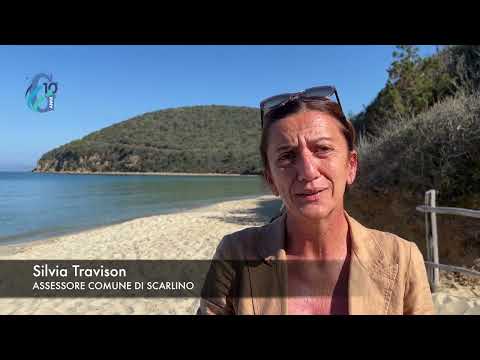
x=267, y=277
x=371, y=277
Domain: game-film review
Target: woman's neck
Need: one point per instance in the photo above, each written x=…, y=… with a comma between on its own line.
x=324, y=239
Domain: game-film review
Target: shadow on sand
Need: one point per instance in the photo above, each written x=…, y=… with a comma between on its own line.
x=258, y=216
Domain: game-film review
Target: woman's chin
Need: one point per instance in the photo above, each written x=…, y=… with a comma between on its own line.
x=315, y=211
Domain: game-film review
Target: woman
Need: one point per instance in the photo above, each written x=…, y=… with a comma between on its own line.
x=314, y=258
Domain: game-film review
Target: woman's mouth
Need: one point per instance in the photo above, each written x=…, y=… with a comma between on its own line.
x=313, y=195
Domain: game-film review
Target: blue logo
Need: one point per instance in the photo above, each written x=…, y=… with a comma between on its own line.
x=41, y=93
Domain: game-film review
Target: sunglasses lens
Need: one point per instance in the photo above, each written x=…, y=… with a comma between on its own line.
x=314, y=92
x=320, y=91
x=274, y=101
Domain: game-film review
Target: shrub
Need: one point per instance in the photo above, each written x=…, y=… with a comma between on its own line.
x=437, y=149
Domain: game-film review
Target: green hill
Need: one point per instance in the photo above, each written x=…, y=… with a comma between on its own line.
x=198, y=139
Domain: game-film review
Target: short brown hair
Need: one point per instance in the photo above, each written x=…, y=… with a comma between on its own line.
x=292, y=107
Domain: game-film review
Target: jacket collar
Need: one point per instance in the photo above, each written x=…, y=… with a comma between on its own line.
x=272, y=240
x=371, y=276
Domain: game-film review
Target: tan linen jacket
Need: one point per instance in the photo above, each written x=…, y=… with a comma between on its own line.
x=387, y=273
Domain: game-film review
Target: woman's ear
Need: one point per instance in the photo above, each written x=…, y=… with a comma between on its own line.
x=352, y=167
x=268, y=178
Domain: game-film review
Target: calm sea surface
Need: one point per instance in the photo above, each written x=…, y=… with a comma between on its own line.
x=35, y=205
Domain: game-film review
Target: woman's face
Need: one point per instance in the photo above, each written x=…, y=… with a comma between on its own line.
x=310, y=163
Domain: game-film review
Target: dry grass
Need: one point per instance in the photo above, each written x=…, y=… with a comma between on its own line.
x=438, y=149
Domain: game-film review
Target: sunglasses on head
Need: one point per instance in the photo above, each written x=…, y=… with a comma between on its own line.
x=314, y=93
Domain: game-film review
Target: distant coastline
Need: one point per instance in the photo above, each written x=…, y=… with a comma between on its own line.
x=200, y=139
x=117, y=173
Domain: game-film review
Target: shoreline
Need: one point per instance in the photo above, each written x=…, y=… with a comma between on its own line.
x=177, y=222
x=4, y=246
x=121, y=173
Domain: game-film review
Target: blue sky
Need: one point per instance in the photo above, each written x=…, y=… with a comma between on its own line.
x=102, y=85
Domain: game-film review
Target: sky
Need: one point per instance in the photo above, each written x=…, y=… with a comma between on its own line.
x=102, y=85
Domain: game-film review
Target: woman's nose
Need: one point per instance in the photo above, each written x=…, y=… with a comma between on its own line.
x=306, y=170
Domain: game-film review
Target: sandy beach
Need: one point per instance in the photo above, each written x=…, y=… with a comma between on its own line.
x=453, y=298
x=192, y=234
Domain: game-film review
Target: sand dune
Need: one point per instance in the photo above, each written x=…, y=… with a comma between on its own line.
x=454, y=299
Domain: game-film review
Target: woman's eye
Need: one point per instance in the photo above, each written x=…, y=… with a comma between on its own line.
x=323, y=149
x=286, y=157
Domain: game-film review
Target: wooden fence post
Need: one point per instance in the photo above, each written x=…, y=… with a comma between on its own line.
x=432, y=240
